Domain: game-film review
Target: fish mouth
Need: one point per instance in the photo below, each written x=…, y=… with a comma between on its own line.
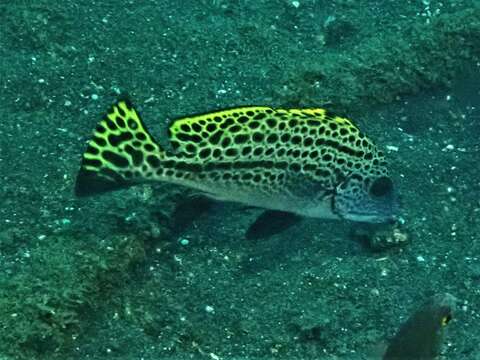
x=384, y=215
x=376, y=213
x=372, y=218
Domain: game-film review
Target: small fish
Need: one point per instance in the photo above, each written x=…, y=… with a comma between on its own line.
x=420, y=337
x=301, y=161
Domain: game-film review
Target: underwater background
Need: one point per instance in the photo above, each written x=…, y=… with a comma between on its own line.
x=107, y=277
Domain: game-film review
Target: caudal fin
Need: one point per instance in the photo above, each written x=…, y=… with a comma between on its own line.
x=121, y=153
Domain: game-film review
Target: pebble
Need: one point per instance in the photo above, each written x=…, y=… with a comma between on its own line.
x=392, y=148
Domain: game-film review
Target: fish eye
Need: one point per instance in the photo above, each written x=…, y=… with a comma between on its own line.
x=446, y=319
x=381, y=187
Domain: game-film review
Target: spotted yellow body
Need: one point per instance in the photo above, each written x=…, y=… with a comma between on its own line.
x=295, y=160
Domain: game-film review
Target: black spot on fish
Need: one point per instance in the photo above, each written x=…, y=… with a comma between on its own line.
x=169, y=164
x=92, y=162
x=309, y=167
x=247, y=176
x=225, y=142
x=257, y=136
x=185, y=127
x=140, y=136
x=115, y=159
x=100, y=141
x=281, y=165
x=223, y=166
x=246, y=150
x=216, y=153
x=183, y=137
x=347, y=150
x=149, y=147
x=137, y=156
x=188, y=166
x=313, y=122
x=231, y=152
x=307, y=141
x=285, y=138
x=215, y=138
x=272, y=138
x=120, y=122
x=191, y=148
x=258, y=151
x=110, y=124
x=240, y=139
x=174, y=144
x=211, y=127
x=196, y=127
x=260, y=116
x=293, y=122
x=271, y=122
x=116, y=140
x=227, y=123
x=235, y=128
x=153, y=161
x=92, y=150
x=100, y=128
x=296, y=140
x=121, y=111
x=253, y=125
x=205, y=153
x=243, y=119
x=132, y=124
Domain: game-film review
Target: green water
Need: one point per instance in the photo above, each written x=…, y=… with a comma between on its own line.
x=106, y=277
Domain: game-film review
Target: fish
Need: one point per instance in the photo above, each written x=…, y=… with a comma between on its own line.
x=306, y=162
x=420, y=337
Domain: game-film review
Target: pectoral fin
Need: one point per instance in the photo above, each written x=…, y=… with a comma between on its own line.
x=271, y=222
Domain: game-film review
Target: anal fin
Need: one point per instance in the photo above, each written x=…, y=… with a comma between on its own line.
x=271, y=222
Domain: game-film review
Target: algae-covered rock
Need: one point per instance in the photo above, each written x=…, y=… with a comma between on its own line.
x=55, y=287
x=423, y=55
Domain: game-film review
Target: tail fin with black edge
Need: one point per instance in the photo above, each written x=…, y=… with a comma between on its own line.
x=121, y=153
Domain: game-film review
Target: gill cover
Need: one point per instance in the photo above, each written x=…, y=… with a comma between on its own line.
x=366, y=201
